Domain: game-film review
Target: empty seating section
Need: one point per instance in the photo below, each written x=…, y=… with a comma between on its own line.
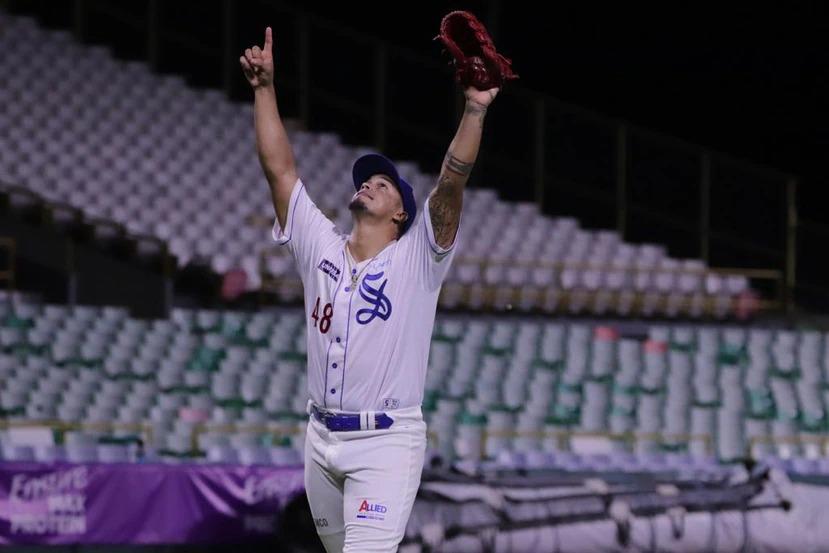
x=167, y=160
x=535, y=390
x=223, y=387
x=512, y=257
x=213, y=386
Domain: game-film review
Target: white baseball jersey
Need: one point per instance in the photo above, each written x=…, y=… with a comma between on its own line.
x=368, y=344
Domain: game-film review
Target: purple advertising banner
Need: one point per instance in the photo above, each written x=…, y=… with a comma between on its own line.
x=99, y=503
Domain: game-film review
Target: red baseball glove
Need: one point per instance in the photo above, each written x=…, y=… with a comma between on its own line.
x=476, y=61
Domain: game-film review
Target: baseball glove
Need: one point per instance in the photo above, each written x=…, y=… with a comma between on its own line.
x=476, y=61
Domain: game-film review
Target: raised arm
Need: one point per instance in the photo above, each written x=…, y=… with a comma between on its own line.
x=272, y=145
x=446, y=200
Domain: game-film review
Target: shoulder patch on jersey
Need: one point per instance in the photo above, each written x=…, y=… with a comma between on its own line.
x=329, y=269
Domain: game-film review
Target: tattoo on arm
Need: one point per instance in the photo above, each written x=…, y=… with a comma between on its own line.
x=446, y=200
x=445, y=210
x=457, y=166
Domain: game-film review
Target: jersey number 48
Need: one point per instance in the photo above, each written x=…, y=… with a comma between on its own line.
x=325, y=320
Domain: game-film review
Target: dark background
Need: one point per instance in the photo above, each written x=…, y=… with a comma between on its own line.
x=746, y=78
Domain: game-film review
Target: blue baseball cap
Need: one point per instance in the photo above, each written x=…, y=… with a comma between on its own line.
x=374, y=164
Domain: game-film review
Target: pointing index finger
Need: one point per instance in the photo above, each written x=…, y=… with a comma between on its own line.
x=268, y=40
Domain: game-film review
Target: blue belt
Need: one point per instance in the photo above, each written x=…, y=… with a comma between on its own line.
x=344, y=422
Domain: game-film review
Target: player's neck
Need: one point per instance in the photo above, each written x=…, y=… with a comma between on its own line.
x=367, y=239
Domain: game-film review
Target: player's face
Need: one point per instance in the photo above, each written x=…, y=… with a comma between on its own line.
x=378, y=196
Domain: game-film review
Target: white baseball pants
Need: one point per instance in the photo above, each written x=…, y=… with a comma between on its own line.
x=361, y=484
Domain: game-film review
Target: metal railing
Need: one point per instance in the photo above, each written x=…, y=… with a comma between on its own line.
x=61, y=427
x=7, y=273
x=563, y=438
x=275, y=429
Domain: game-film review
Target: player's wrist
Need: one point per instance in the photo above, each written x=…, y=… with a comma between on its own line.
x=264, y=88
x=474, y=107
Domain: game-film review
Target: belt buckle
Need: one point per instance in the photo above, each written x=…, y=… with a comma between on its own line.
x=325, y=417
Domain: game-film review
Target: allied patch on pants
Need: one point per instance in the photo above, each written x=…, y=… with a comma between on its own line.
x=372, y=511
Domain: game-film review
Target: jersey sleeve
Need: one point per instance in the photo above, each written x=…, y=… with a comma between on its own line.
x=426, y=259
x=307, y=230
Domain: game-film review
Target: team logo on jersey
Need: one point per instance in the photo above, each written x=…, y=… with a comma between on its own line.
x=380, y=303
x=374, y=511
x=329, y=269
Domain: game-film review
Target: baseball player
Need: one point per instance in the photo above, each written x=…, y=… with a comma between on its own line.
x=370, y=300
